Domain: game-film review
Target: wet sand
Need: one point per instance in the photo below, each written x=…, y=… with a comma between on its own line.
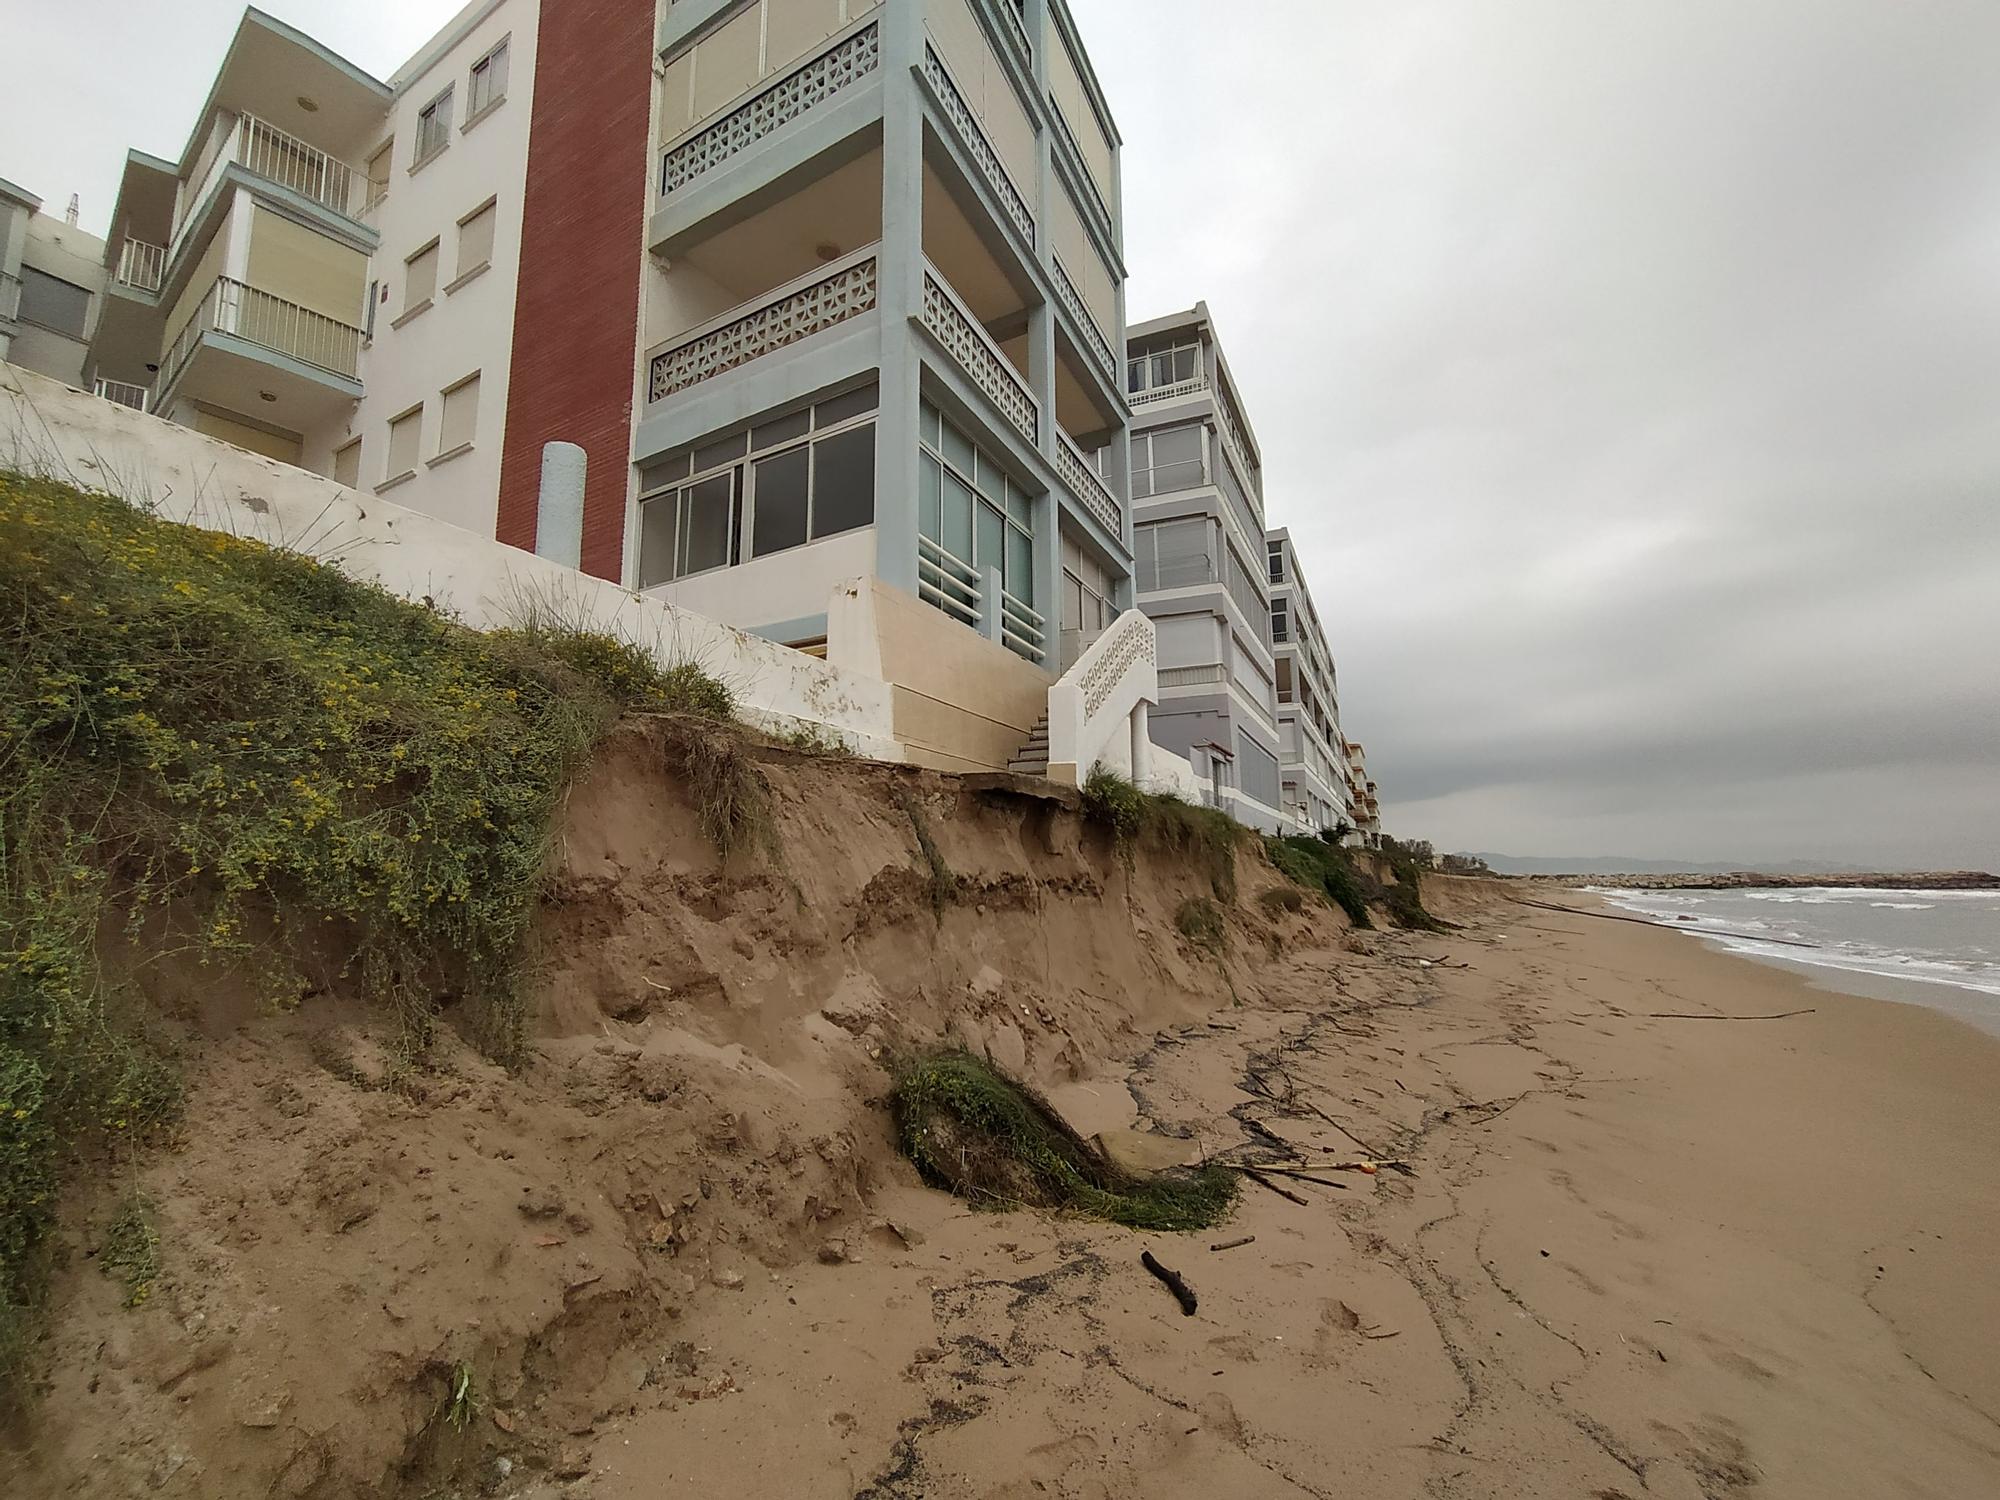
x=1639, y=1257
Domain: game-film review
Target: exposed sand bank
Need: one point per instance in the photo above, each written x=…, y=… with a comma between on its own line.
x=1640, y=1257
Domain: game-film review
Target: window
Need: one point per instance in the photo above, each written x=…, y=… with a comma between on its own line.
x=420, y=279
x=1277, y=559
x=1157, y=369
x=379, y=166
x=1257, y=770
x=1168, y=458
x=777, y=485
x=488, y=84
x=976, y=516
x=1285, y=681
x=1174, y=554
x=475, y=242
x=1245, y=590
x=52, y=303
x=405, y=442
x=1281, y=620
x=347, y=464
x=459, y=420
x=433, y=129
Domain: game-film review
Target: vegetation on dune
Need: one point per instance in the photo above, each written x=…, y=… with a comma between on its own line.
x=1405, y=898
x=258, y=762
x=1160, y=821
x=1326, y=868
x=972, y=1129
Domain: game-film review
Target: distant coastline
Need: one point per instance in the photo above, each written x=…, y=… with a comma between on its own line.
x=1895, y=880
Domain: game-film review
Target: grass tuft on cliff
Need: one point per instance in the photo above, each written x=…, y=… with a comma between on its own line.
x=992, y=1140
x=1176, y=827
x=1325, y=868
x=262, y=765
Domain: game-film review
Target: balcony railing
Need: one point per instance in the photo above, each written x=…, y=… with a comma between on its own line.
x=125, y=394
x=1091, y=492
x=954, y=326
x=1022, y=628
x=976, y=145
x=141, y=266
x=258, y=317
x=271, y=154
x=797, y=310
x=1172, y=392
x=806, y=87
x=1194, y=676
x=946, y=581
x=1093, y=335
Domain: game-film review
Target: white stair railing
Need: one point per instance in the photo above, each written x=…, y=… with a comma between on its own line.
x=1098, y=711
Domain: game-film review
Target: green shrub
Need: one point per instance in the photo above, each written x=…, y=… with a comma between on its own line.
x=1182, y=830
x=972, y=1129
x=1199, y=920
x=1405, y=898
x=1323, y=867
x=259, y=759
x=131, y=1250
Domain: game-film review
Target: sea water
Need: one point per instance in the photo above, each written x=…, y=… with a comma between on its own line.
x=1934, y=948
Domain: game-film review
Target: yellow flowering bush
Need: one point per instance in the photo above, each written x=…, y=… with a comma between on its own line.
x=233, y=740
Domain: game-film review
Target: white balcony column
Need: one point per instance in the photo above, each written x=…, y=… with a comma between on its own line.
x=1142, y=742
x=900, y=299
x=992, y=605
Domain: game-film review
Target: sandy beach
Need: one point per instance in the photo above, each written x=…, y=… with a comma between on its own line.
x=1638, y=1256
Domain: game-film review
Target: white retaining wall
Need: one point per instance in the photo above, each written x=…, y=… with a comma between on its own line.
x=53, y=430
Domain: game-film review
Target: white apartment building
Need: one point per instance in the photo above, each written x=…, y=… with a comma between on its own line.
x=822, y=289
x=1200, y=563
x=1314, y=773
x=51, y=287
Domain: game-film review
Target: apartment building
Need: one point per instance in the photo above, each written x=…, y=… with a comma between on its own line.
x=323, y=274
x=1313, y=771
x=51, y=287
x=1200, y=564
x=823, y=290
x=1367, y=810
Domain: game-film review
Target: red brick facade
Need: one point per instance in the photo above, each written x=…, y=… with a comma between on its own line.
x=576, y=313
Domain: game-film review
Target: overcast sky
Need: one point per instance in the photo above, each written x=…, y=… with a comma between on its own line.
x=1628, y=372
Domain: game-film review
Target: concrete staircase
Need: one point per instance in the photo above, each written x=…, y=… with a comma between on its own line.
x=1032, y=759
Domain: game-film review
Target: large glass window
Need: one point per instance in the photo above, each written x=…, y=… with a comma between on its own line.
x=1174, y=554
x=1257, y=770
x=1281, y=623
x=1168, y=458
x=1277, y=560
x=1156, y=369
x=50, y=302
x=1246, y=590
x=974, y=511
x=788, y=480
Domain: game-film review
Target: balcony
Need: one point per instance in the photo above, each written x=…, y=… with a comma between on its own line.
x=267, y=152
x=141, y=266
x=810, y=304
x=1082, y=481
x=248, y=351
x=123, y=393
x=962, y=336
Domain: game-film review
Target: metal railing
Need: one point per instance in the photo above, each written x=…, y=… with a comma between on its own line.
x=141, y=266
x=943, y=580
x=123, y=392
x=954, y=326
x=798, y=309
x=1022, y=628
x=1091, y=492
x=257, y=317
x=291, y=162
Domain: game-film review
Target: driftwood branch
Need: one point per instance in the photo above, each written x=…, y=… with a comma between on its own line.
x=1183, y=1293
x=1264, y=1182
x=1248, y=1239
x=1686, y=1015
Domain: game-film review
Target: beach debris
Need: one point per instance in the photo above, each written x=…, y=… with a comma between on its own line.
x=1183, y=1293
x=1685, y=1015
x=1248, y=1239
x=1298, y=1172
x=1264, y=1182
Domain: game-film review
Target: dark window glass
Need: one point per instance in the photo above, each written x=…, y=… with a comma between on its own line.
x=989, y=543
x=656, y=540
x=779, y=515
x=929, y=482
x=1021, y=566
x=720, y=452
x=52, y=303
x=782, y=430
x=844, y=481
x=707, y=532
x=956, y=523
x=839, y=408
x=666, y=471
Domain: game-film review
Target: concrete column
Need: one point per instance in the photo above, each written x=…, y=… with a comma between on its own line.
x=990, y=607
x=1142, y=743
x=559, y=507
x=899, y=295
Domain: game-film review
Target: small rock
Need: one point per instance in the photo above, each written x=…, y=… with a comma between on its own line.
x=729, y=1281
x=540, y=1203
x=263, y=1409
x=832, y=1252
x=572, y=1462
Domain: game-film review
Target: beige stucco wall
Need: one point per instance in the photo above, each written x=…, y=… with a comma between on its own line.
x=302, y=265
x=214, y=260
x=1066, y=84
x=255, y=439
x=960, y=701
